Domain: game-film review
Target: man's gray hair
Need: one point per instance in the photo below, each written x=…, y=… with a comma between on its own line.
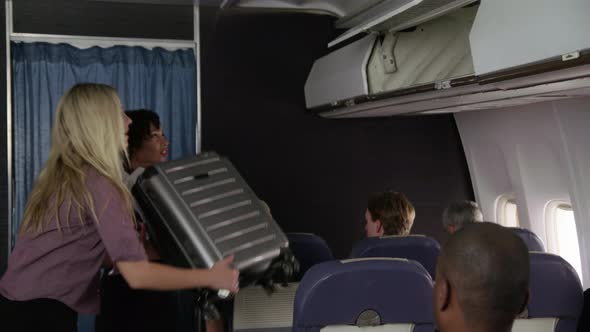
x=459, y=214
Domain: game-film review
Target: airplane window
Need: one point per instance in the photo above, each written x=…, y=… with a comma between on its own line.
x=562, y=235
x=507, y=211
x=567, y=236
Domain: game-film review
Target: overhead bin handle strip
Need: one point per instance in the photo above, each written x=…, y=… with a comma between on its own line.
x=373, y=22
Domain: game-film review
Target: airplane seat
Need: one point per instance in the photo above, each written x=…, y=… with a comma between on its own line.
x=532, y=241
x=419, y=248
x=309, y=249
x=255, y=310
x=383, y=294
x=584, y=322
x=555, y=296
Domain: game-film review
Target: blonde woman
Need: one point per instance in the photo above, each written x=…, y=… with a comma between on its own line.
x=79, y=215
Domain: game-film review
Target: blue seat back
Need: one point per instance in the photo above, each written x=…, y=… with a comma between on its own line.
x=532, y=241
x=309, y=249
x=336, y=293
x=555, y=294
x=419, y=248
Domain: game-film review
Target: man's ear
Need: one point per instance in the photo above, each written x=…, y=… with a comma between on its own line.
x=443, y=294
x=380, y=229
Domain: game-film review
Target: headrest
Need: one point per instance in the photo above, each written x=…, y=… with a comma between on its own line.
x=309, y=249
x=532, y=241
x=535, y=325
x=338, y=292
x=380, y=328
x=420, y=248
x=555, y=289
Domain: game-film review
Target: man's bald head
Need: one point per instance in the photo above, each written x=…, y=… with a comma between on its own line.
x=486, y=268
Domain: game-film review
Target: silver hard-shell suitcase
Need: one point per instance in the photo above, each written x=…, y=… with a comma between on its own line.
x=200, y=210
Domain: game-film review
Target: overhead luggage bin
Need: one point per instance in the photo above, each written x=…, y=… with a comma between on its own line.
x=482, y=56
x=340, y=75
x=512, y=33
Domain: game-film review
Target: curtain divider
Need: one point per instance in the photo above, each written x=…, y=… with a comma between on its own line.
x=90, y=41
x=197, y=45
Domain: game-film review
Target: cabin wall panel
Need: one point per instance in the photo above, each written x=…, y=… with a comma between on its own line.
x=542, y=148
x=496, y=184
x=93, y=18
x=574, y=120
x=316, y=173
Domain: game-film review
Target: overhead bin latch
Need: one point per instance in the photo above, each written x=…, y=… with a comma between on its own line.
x=570, y=56
x=349, y=102
x=386, y=50
x=441, y=85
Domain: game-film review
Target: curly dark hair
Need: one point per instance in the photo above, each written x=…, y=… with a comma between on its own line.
x=139, y=129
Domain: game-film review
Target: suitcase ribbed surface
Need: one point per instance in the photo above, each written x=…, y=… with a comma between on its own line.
x=212, y=212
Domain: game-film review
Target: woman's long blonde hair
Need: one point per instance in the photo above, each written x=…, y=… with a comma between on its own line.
x=88, y=131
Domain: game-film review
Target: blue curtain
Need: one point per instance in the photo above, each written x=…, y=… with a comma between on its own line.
x=161, y=80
